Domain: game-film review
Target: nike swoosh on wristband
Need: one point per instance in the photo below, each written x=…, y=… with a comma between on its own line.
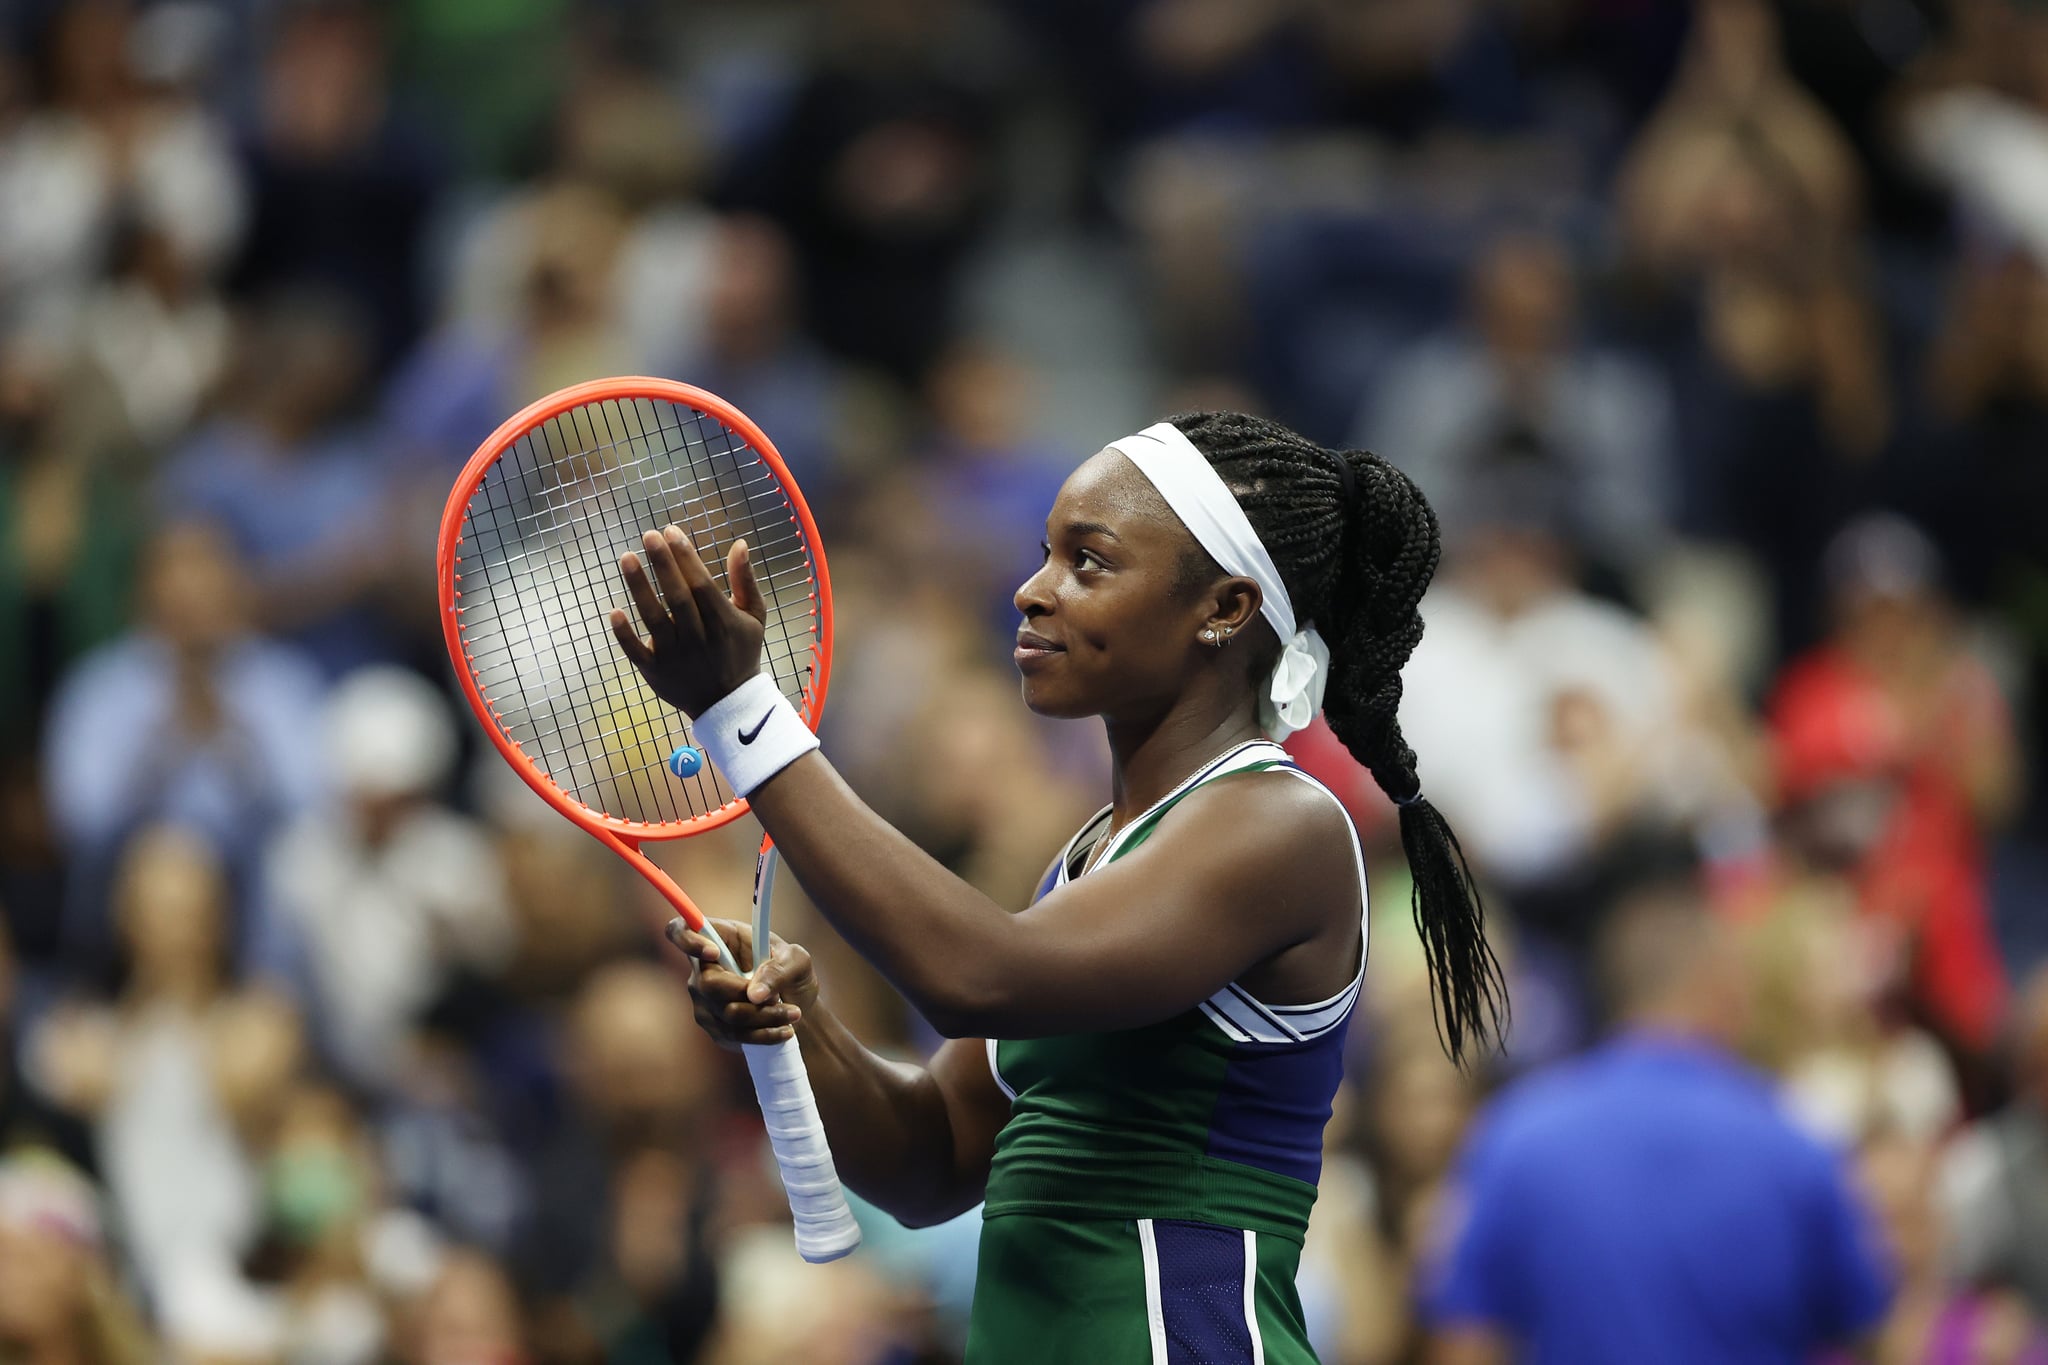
x=749, y=736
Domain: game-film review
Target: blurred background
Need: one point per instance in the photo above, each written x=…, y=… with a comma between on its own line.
x=1717, y=332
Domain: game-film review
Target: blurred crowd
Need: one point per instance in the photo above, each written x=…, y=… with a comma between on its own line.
x=1716, y=332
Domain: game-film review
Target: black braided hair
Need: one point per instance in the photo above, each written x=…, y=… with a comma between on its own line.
x=1356, y=545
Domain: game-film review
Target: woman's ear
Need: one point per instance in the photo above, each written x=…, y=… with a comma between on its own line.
x=1236, y=607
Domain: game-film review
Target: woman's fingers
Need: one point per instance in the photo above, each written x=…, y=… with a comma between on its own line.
x=659, y=548
x=785, y=964
x=739, y=938
x=746, y=593
x=712, y=975
x=703, y=949
x=726, y=1005
x=653, y=615
x=692, y=943
x=635, y=648
x=743, y=1016
x=704, y=591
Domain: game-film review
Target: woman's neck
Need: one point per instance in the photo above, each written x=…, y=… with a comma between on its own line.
x=1150, y=760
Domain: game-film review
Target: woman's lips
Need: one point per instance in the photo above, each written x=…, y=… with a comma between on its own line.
x=1033, y=648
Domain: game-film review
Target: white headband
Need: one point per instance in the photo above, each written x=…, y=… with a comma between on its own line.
x=1199, y=497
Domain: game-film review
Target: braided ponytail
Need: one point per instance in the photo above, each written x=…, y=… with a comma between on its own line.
x=1356, y=545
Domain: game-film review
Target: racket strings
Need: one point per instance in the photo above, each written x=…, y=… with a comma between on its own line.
x=554, y=718
x=613, y=674
x=571, y=465
x=541, y=540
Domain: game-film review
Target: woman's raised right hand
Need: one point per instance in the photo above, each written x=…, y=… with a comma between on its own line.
x=760, y=1008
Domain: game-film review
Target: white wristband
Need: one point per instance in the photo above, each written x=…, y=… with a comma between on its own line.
x=752, y=733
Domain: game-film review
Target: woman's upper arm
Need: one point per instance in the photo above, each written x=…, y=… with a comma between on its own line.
x=976, y=1110
x=1205, y=899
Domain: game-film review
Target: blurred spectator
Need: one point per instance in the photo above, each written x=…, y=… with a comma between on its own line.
x=320, y=1195
x=983, y=485
x=288, y=474
x=68, y=527
x=911, y=636
x=1553, y=721
x=189, y=718
x=1895, y=739
x=1515, y=386
x=545, y=263
x=610, y=240
x=553, y=874
x=60, y=1300
x=624, y=132
x=616, y=1253
x=1857, y=70
x=1988, y=375
x=182, y=1074
x=343, y=184
x=1354, y=1297
x=1735, y=142
x=1661, y=1164
x=1826, y=1021
x=879, y=168
x=1934, y=1318
x=1972, y=120
x=377, y=905
x=846, y=1316
x=468, y=1316
x=1994, y=1179
x=979, y=790
x=101, y=148
x=457, y=55
x=156, y=333
x=440, y=1128
x=751, y=352
x=1741, y=199
x=28, y=1122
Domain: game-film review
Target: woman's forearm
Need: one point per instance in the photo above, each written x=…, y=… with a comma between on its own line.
x=888, y=1123
x=944, y=944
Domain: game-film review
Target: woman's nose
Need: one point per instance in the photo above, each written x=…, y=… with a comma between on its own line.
x=1032, y=597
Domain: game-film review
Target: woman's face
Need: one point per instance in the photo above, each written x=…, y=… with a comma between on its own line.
x=1110, y=627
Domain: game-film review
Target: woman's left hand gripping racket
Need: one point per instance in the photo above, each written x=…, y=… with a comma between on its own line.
x=529, y=552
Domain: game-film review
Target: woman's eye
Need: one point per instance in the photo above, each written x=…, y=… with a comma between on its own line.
x=1082, y=559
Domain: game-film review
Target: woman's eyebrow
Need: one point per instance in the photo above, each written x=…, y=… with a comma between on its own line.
x=1091, y=528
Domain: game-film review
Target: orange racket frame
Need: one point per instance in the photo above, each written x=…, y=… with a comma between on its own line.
x=622, y=836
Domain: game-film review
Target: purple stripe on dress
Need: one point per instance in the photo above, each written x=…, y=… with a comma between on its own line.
x=1275, y=1100
x=1201, y=1293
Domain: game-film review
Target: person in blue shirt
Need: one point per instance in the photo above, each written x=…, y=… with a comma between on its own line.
x=1650, y=1202
x=190, y=719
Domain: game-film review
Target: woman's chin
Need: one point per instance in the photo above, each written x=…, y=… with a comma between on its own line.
x=1051, y=703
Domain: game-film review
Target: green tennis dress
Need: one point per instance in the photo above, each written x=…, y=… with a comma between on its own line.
x=1150, y=1191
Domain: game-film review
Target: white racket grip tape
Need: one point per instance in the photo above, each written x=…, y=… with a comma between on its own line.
x=825, y=1228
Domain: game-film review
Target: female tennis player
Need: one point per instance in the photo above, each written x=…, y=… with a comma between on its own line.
x=1142, y=1062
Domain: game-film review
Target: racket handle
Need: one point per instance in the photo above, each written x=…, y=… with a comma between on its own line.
x=825, y=1229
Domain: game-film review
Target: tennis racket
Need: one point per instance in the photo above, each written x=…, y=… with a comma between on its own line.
x=528, y=557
